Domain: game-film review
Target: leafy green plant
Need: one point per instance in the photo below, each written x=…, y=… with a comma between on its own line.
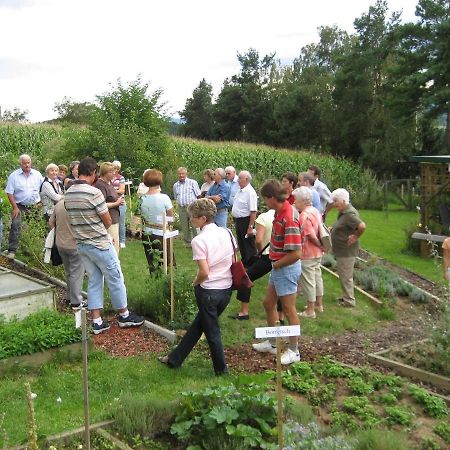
x=247, y=413
x=434, y=406
x=342, y=420
x=39, y=331
x=442, y=429
x=322, y=394
x=399, y=415
x=358, y=386
x=388, y=399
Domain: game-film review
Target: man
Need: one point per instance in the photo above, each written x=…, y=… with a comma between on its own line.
x=89, y=218
x=185, y=191
x=232, y=180
x=306, y=179
x=285, y=253
x=22, y=189
x=244, y=213
x=326, y=202
x=289, y=182
x=219, y=193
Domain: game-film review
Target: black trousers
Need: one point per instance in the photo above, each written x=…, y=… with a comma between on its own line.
x=246, y=245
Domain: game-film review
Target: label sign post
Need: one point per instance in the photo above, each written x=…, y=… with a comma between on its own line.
x=278, y=332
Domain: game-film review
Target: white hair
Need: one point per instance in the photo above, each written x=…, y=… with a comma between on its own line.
x=51, y=166
x=341, y=194
x=246, y=174
x=303, y=193
x=230, y=169
x=117, y=164
x=221, y=171
x=24, y=156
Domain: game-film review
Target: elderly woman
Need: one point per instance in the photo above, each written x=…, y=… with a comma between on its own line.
x=113, y=200
x=312, y=252
x=208, y=178
x=51, y=190
x=119, y=186
x=344, y=237
x=73, y=175
x=152, y=205
x=213, y=251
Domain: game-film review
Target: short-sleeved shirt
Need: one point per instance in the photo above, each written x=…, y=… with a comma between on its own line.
x=118, y=180
x=151, y=207
x=266, y=219
x=310, y=219
x=186, y=192
x=214, y=245
x=316, y=199
x=65, y=237
x=245, y=202
x=85, y=204
x=222, y=189
x=111, y=196
x=234, y=188
x=286, y=232
x=25, y=188
x=346, y=224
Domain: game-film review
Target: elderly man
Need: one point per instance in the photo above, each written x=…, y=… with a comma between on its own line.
x=23, y=193
x=233, y=181
x=326, y=202
x=89, y=218
x=185, y=191
x=219, y=193
x=244, y=213
x=306, y=179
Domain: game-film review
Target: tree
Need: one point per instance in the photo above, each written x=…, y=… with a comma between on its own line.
x=15, y=115
x=198, y=112
x=74, y=112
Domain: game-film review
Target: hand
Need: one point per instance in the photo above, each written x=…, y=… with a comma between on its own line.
x=275, y=265
x=249, y=232
x=15, y=212
x=352, y=239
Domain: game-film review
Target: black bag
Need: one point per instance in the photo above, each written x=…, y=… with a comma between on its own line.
x=55, y=257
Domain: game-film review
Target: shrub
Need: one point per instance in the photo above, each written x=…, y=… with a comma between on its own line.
x=381, y=440
x=399, y=415
x=442, y=429
x=434, y=406
x=418, y=296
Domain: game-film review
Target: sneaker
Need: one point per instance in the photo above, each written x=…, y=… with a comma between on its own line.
x=97, y=329
x=265, y=347
x=82, y=305
x=289, y=357
x=133, y=320
x=11, y=255
x=122, y=245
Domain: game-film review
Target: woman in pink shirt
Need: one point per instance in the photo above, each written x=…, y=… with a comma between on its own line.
x=312, y=252
x=213, y=250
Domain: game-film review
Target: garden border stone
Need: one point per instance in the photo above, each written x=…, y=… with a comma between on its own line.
x=410, y=371
x=170, y=335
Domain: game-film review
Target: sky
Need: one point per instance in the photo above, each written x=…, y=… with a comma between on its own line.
x=50, y=49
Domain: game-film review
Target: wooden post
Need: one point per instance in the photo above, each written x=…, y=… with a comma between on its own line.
x=164, y=225
x=84, y=348
x=279, y=393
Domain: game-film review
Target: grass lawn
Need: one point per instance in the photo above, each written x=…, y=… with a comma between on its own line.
x=385, y=236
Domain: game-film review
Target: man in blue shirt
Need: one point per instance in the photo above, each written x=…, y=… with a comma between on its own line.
x=306, y=179
x=22, y=189
x=233, y=181
x=219, y=193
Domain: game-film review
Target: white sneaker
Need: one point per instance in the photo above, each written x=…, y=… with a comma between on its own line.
x=122, y=245
x=289, y=357
x=265, y=347
x=11, y=255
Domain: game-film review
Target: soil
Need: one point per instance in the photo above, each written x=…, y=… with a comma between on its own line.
x=350, y=347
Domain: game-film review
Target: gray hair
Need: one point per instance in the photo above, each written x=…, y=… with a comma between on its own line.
x=307, y=177
x=341, y=194
x=303, y=193
x=24, y=156
x=181, y=169
x=246, y=174
x=72, y=165
x=203, y=207
x=230, y=168
x=221, y=172
x=118, y=164
x=51, y=166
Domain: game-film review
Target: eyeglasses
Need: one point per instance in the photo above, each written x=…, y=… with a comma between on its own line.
x=227, y=173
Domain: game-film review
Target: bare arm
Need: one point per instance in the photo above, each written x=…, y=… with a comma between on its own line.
x=202, y=272
x=15, y=211
x=106, y=219
x=121, y=188
x=446, y=262
x=260, y=230
x=170, y=212
x=288, y=259
x=357, y=234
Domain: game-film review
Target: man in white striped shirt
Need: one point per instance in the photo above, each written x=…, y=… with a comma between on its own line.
x=185, y=191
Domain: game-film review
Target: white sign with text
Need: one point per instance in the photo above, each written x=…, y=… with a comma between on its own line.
x=274, y=332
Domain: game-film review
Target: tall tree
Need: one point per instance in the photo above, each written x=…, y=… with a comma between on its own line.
x=15, y=115
x=74, y=112
x=198, y=112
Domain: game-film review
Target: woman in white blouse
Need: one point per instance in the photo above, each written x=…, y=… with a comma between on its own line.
x=51, y=190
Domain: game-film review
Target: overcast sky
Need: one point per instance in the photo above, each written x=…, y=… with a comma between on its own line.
x=55, y=48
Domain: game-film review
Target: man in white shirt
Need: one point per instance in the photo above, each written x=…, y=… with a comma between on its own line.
x=233, y=181
x=22, y=189
x=326, y=202
x=244, y=210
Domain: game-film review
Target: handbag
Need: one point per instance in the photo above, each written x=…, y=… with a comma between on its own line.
x=238, y=273
x=325, y=237
x=55, y=257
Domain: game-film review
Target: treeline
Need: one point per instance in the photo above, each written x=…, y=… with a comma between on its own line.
x=376, y=96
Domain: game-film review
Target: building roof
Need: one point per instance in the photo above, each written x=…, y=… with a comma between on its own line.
x=438, y=159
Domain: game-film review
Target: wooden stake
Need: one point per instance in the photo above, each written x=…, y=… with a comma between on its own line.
x=172, y=299
x=84, y=348
x=164, y=225
x=279, y=393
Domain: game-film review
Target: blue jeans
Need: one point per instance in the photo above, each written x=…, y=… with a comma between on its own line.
x=103, y=265
x=122, y=225
x=211, y=303
x=221, y=218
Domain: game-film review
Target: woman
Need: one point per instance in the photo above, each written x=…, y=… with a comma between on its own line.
x=208, y=177
x=51, y=190
x=73, y=175
x=119, y=186
x=152, y=205
x=213, y=250
x=344, y=237
x=113, y=200
x=312, y=252
x=142, y=188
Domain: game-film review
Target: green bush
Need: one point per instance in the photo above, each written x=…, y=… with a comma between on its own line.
x=434, y=406
x=418, y=296
x=442, y=429
x=37, y=332
x=399, y=415
x=381, y=440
